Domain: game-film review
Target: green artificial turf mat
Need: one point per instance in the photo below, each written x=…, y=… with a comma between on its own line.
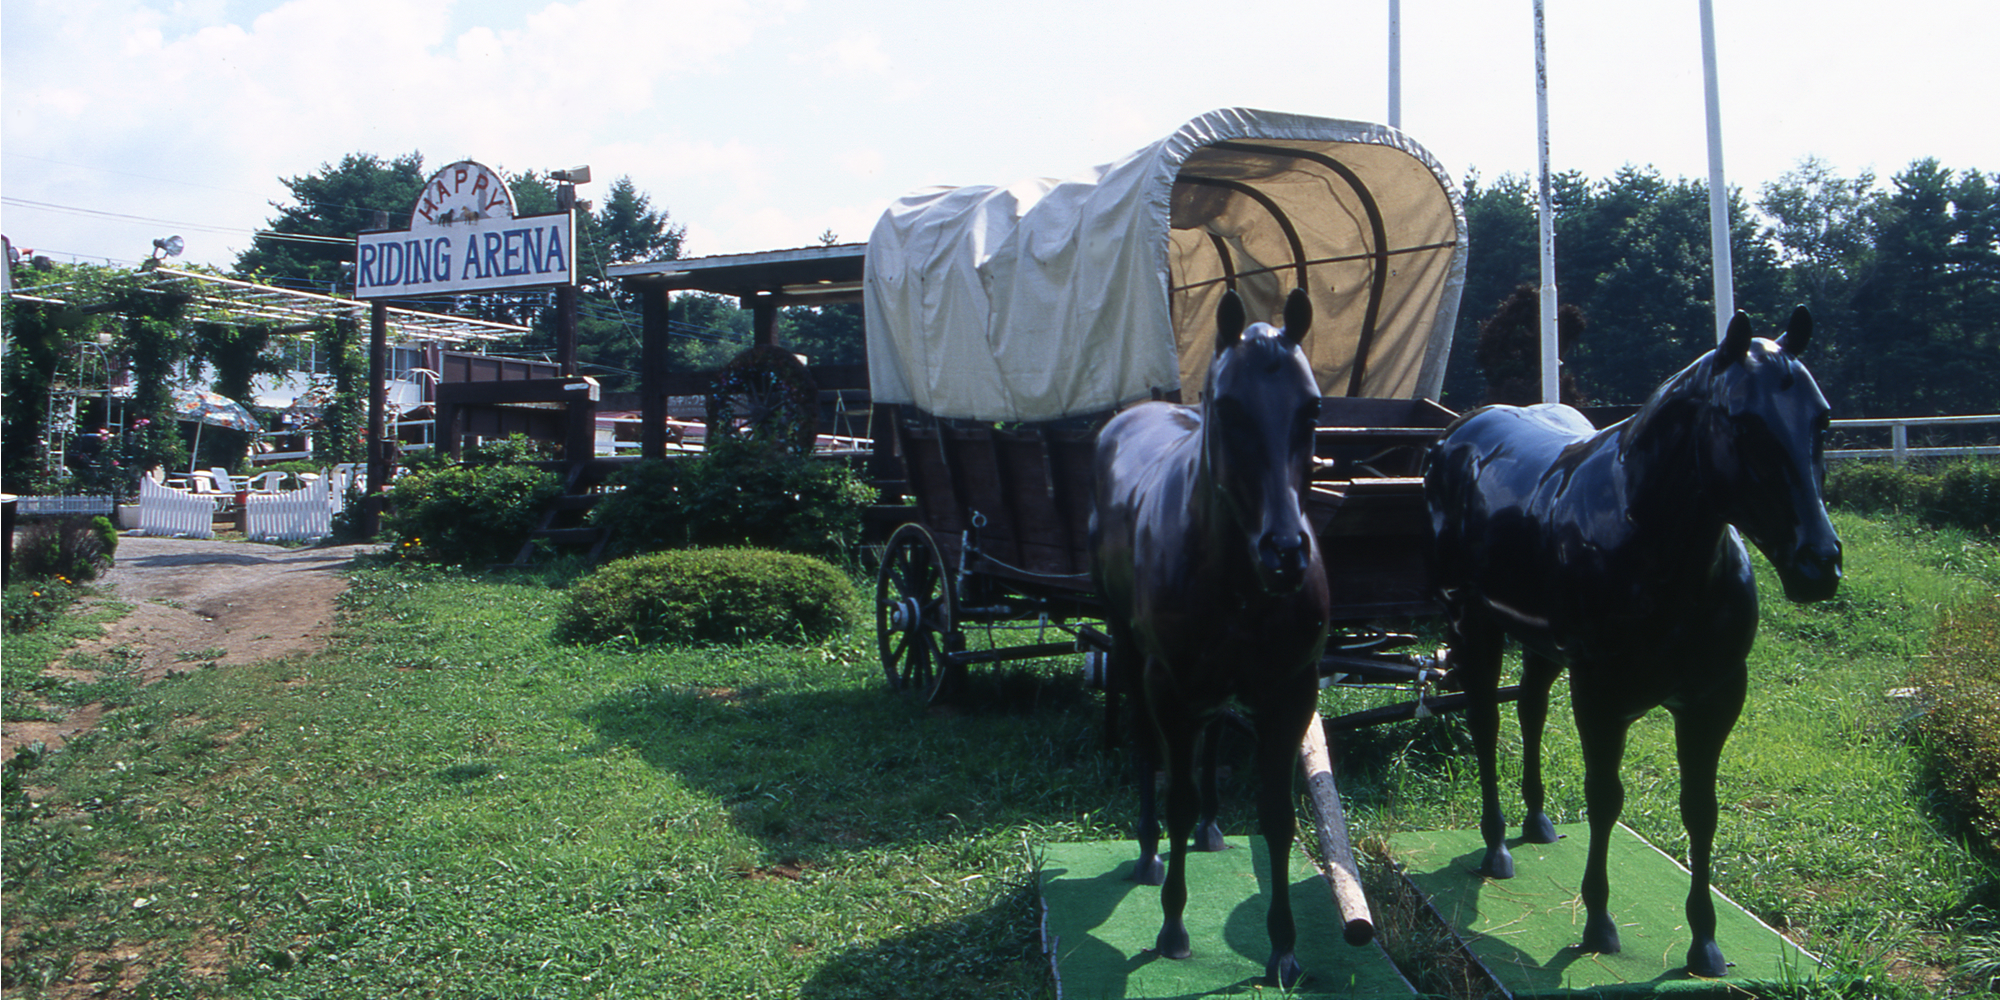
x=1523, y=929
x=1103, y=926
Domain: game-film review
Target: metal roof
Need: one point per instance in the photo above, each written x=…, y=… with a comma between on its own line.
x=827, y=273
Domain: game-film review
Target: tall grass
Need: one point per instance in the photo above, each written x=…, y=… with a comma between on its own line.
x=450, y=803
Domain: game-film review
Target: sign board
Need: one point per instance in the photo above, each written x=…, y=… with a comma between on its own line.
x=464, y=237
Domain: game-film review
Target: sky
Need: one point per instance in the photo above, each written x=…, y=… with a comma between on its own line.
x=761, y=124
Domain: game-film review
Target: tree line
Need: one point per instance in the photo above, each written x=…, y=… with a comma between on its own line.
x=1903, y=283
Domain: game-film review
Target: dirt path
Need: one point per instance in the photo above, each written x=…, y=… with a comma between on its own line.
x=196, y=602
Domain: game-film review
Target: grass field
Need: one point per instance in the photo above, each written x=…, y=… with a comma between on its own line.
x=449, y=804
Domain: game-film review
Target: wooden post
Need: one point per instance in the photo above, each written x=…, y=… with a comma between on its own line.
x=566, y=293
x=763, y=318
x=378, y=459
x=653, y=304
x=1358, y=925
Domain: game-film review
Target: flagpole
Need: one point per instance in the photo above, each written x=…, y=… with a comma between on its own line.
x=1550, y=392
x=1718, y=192
x=1396, y=64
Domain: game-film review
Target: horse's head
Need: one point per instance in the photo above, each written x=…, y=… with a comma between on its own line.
x=1260, y=416
x=1767, y=428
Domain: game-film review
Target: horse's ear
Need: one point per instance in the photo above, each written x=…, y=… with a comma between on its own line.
x=1736, y=342
x=1229, y=319
x=1298, y=316
x=1798, y=333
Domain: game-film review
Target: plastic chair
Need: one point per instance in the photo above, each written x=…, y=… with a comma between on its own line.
x=266, y=482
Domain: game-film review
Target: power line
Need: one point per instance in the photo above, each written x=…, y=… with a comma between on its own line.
x=198, y=227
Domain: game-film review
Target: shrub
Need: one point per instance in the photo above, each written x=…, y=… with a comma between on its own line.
x=1962, y=728
x=73, y=549
x=736, y=495
x=1963, y=494
x=514, y=449
x=1871, y=487
x=1966, y=495
x=30, y=605
x=710, y=595
x=468, y=517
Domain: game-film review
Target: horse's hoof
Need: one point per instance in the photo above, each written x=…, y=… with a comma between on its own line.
x=1173, y=941
x=1600, y=934
x=1499, y=863
x=1208, y=837
x=1150, y=871
x=1537, y=829
x=1284, y=970
x=1705, y=960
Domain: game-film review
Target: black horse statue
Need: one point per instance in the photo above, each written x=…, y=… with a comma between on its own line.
x=1616, y=553
x=1215, y=590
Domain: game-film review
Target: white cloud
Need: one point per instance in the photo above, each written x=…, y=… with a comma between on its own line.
x=855, y=54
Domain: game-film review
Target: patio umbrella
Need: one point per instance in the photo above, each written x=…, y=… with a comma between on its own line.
x=212, y=409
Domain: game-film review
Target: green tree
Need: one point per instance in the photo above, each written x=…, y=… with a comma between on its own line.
x=1930, y=308
x=826, y=335
x=310, y=240
x=237, y=354
x=1633, y=253
x=1504, y=233
x=1822, y=227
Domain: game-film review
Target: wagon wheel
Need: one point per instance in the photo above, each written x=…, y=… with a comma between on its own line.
x=770, y=392
x=914, y=614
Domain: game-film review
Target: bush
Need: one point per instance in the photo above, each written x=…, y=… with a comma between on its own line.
x=72, y=549
x=1962, y=728
x=1967, y=495
x=1963, y=494
x=710, y=595
x=736, y=495
x=468, y=517
x=1871, y=488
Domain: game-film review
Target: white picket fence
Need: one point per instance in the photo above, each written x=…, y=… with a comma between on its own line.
x=301, y=515
x=164, y=510
x=61, y=506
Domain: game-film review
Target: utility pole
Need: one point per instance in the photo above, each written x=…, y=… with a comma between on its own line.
x=566, y=182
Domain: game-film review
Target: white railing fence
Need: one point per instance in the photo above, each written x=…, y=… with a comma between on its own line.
x=164, y=510
x=63, y=506
x=301, y=515
x=1899, y=437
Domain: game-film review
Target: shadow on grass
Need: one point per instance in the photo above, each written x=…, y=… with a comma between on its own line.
x=804, y=771
x=992, y=953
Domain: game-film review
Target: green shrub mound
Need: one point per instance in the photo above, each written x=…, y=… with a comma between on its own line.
x=1961, y=681
x=710, y=596
x=736, y=494
x=1962, y=494
x=74, y=549
x=468, y=517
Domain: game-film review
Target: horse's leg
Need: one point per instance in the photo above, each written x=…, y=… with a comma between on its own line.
x=1122, y=671
x=1150, y=870
x=1700, y=730
x=1538, y=673
x=1281, y=725
x=1600, y=726
x=1179, y=728
x=1207, y=832
x=1475, y=659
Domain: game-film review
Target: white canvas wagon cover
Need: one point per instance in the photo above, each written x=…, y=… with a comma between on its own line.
x=1053, y=298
